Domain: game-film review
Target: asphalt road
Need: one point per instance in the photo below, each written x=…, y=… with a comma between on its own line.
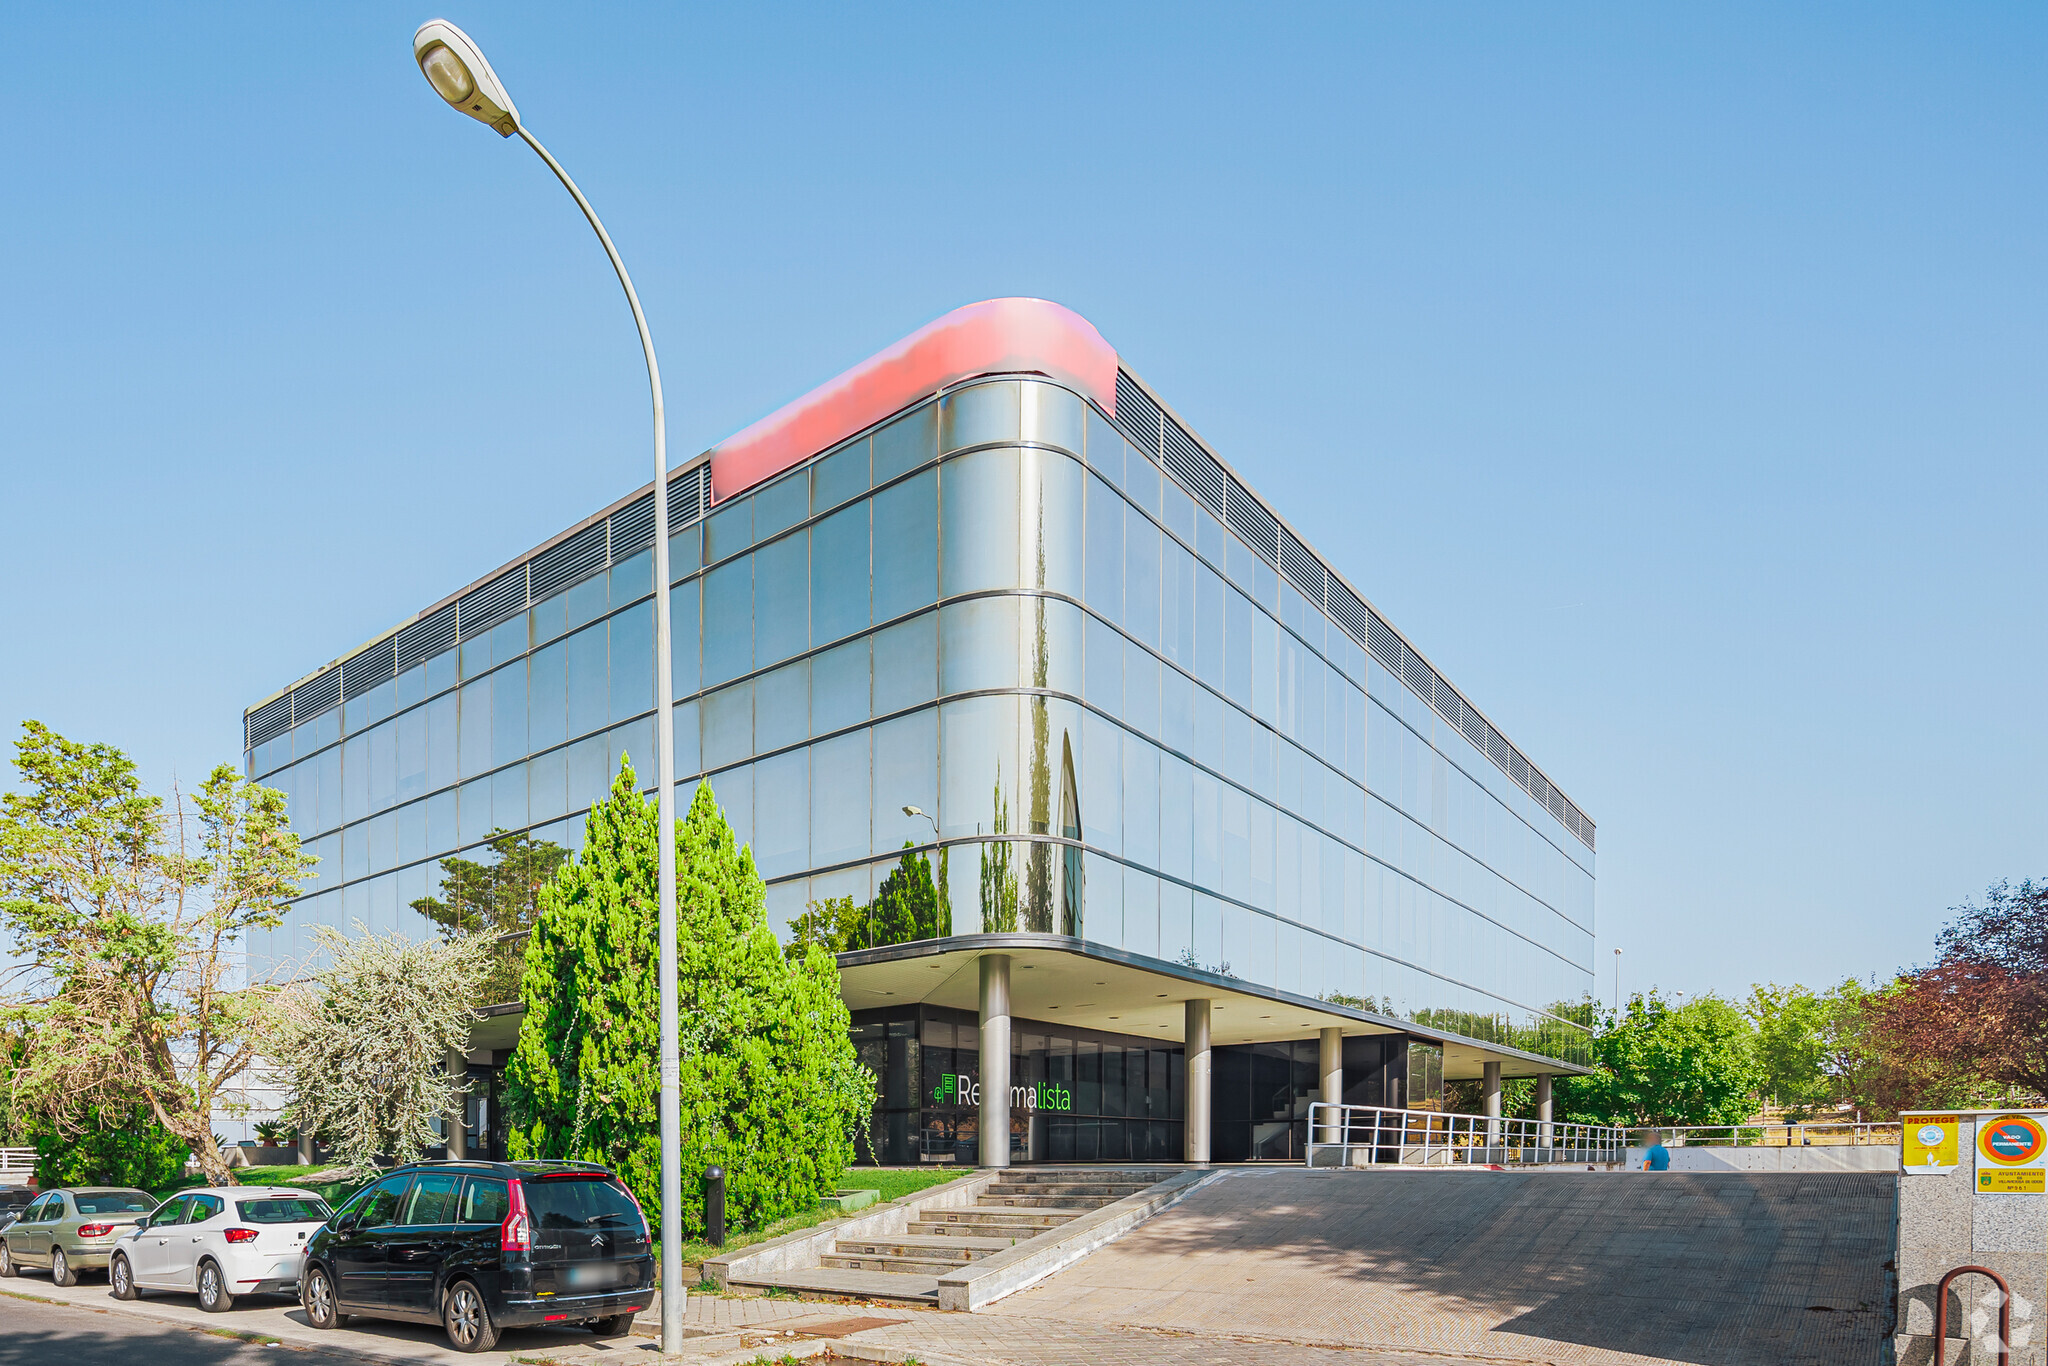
x=31, y=1332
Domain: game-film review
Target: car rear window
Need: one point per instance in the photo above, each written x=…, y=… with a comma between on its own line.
x=114, y=1202
x=580, y=1202
x=283, y=1209
x=484, y=1201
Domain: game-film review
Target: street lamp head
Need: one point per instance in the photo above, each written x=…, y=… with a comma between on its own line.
x=456, y=68
x=912, y=811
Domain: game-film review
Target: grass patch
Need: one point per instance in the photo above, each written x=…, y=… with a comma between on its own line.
x=896, y=1182
x=333, y=1192
x=893, y=1182
x=36, y=1299
x=261, y=1339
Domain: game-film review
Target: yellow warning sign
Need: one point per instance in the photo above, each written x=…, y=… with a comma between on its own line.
x=1931, y=1145
x=2023, y=1182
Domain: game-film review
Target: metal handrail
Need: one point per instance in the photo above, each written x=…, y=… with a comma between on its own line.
x=17, y=1159
x=1437, y=1137
x=2004, y=1314
x=1792, y=1135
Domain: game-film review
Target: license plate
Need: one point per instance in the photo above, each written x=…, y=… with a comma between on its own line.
x=581, y=1277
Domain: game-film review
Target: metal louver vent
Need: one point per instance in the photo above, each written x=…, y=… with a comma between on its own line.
x=633, y=528
x=367, y=668
x=1475, y=730
x=1137, y=416
x=1385, y=646
x=1497, y=747
x=1448, y=704
x=310, y=699
x=1418, y=674
x=426, y=637
x=689, y=495
x=482, y=608
x=1557, y=804
x=1350, y=612
x=1192, y=465
x=568, y=562
x=268, y=721
x=1538, y=787
x=1251, y=521
x=1518, y=767
x=1305, y=569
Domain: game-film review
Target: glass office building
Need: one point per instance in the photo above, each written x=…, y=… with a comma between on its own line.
x=1138, y=724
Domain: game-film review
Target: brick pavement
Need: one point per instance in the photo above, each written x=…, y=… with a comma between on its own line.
x=1593, y=1269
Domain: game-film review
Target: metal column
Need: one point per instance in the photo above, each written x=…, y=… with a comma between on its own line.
x=1332, y=1071
x=1491, y=1087
x=995, y=1060
x=1543, y=1110
x=1196, y=1037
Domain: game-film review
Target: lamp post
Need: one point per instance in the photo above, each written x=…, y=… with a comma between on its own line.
x=459, y=73
x=1617, y=984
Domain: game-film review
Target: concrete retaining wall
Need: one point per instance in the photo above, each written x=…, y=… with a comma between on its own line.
x=1842, y=1158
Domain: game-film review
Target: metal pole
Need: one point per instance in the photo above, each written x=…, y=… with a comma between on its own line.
x=664, y=802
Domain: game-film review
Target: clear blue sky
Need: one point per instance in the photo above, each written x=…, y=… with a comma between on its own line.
x=1671, y=375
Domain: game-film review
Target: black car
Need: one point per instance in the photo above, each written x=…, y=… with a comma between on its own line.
x=482, y=1246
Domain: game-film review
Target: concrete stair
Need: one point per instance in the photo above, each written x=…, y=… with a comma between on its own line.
x=905, y=1267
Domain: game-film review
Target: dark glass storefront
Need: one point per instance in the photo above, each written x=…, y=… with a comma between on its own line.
x=1262, y=1091
x=1076, y=1095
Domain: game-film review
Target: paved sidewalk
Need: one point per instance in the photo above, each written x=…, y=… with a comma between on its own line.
x=1592, y=1269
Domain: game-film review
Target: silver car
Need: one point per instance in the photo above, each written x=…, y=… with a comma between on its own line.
x=71, y=1230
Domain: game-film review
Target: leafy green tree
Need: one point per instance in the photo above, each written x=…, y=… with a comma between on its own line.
x=125, y=1148
x=1665, y=1064
x=1806, y=1042
x=364, y=1046
x=496, y=899
x=128, y=913
x=770, y=1086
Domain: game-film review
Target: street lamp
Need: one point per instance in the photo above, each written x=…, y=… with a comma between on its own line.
x=1617, y=984
x=459, y=73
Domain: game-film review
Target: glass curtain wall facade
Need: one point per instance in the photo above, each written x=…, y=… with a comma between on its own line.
x=1125, y=726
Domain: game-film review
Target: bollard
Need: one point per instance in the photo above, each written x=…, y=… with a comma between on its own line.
x=714, y=1206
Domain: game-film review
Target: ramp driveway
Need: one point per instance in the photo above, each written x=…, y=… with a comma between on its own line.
x=1603, y=1268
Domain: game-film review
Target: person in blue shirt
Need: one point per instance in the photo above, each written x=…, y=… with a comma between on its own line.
x=1656, y=1157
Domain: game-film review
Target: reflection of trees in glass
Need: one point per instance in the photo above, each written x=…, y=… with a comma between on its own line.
x=998, y=876
x=1187, y=959
x=836, y=924
x=910, y=905
x=496, y=899
x=906, y=906
x=1071, y=899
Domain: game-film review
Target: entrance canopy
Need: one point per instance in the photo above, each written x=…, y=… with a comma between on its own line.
x=1064, y=980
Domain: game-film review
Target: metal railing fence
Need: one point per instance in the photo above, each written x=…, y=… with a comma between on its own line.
x=1350, y=1135
x=1780, y=1135
x=17, y=1161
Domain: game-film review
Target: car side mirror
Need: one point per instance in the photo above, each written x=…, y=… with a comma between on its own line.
x=347, y=1223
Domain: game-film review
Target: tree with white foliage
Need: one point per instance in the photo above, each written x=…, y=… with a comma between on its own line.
x=363, y=1047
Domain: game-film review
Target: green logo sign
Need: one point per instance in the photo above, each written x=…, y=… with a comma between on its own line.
x=960, y=1088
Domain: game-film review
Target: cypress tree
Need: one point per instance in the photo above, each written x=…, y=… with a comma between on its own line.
x=771, y=1089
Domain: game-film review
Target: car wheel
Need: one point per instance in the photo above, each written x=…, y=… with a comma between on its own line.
x=122, y=1278
x=618, y=1325
x=466, y=1319
x=213, y=1289
x=60, y=1268
x=317, y=1298
x=7, y=1266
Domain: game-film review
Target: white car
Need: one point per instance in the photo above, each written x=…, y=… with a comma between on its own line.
x=223, y=1242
